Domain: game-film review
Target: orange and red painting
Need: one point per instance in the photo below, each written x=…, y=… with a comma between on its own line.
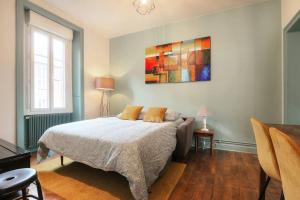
x=185, y=61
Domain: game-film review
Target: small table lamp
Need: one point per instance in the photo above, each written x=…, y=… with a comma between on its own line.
x=105, y=85
x=203, y=114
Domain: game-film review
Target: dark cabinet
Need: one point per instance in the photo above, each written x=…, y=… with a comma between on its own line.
x=12, y=157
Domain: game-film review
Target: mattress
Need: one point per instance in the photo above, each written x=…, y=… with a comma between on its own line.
x=137, y=150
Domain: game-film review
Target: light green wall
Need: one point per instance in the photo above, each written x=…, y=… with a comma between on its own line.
x=293, y=80
x=246, y=70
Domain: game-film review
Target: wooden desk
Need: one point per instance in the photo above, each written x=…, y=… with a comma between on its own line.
x=293, y=131
x=12, y=157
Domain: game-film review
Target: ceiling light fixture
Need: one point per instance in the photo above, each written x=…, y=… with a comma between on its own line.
x=144, y=7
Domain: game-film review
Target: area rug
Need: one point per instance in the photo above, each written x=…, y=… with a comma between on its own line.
x=77, y=181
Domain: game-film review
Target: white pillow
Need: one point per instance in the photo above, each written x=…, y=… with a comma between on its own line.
x=119, y=115
x=172, y=115
x=141, y=116
x=178, y=122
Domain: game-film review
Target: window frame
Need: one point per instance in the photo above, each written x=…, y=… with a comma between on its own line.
x=29, y=74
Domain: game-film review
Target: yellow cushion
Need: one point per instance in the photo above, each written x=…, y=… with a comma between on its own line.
x=131, y=112
x=155, y=115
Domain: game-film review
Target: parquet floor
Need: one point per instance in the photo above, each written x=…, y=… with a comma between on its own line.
x=224, y=176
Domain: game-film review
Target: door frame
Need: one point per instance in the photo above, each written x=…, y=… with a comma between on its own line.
x=289, y=28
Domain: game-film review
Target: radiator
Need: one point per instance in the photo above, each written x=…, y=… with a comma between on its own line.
x=36, y=125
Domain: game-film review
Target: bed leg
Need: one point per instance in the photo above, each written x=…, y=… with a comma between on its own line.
x=62, y=160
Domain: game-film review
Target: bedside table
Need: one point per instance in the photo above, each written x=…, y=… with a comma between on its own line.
x=200, y=133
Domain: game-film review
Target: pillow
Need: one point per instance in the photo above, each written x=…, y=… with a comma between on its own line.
x=178, y=122
x=131, y=112
x=172, y=115
x=155, y=115
x=141, y=116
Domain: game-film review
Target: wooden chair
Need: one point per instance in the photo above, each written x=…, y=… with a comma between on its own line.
x=266, y=153
x=288, y=157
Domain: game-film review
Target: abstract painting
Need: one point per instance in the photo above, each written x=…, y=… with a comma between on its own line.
x=185, y=61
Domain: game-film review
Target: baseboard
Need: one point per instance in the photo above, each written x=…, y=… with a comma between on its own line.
x=230, y=146
x=235, y=146
x=33, y=150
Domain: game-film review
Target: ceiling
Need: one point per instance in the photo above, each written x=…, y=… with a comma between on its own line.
x=113, y=18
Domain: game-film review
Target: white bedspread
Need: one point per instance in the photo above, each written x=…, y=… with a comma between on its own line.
x=138, y=150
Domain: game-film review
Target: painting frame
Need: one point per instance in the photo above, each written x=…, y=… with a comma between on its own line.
x=179, y=62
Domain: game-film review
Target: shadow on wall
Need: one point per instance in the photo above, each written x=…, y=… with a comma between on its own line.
x=119, y=101
x=221, y=131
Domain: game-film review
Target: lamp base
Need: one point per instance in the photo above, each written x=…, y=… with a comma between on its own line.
x=104, y=105
x=205, y=129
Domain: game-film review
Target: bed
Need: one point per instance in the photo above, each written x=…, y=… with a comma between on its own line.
x=137, y=150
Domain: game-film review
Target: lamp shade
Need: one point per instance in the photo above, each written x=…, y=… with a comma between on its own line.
x=203, y=112
x=104, y=83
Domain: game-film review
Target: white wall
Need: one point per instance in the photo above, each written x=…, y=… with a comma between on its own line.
x=96, y=62
x=289, y=8
x=7, y=70
x=246, y=69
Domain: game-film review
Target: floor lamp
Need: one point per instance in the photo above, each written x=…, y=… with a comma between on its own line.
x=105, y=85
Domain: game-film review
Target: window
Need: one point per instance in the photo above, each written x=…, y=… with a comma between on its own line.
x=40, y=70
x=49, y=72
x=59, y=65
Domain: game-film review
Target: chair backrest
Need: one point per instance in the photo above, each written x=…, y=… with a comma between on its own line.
x=288, y=156
x=265, y=149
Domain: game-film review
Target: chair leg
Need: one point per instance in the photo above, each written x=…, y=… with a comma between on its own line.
x=262, y=194
x=62, y=160
x=282, y=196
x=196, y=143
x=39, y=189
x=24, y=193
x=211, y=145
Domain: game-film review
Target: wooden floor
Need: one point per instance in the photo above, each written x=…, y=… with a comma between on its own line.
x=225, y=175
